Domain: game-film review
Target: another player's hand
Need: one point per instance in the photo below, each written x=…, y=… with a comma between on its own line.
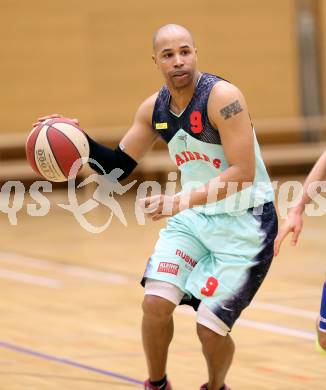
x=53, y=116
x=160, y=206
x=293, y=223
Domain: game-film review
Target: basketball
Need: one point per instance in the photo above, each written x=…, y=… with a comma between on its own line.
x=53, y=147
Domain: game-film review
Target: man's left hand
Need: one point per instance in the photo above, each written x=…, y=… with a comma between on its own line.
x=160, y=206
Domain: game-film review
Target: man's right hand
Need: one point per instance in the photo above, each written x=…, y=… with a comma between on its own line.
x=293, y=223
x=53, y=116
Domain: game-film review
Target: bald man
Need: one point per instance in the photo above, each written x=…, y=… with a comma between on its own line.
x=218, y=243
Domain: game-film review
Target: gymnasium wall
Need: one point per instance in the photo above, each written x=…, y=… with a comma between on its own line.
x=92, y=60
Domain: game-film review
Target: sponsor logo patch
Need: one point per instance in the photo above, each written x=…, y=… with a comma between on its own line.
x=169, y=268
x=161, y=126
x=186, y=258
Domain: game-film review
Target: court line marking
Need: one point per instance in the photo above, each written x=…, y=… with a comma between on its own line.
x=283, y=309
x=30, y=279
x=293, y=377
x=277, y=329
x=69, y=362
x=77, y=271
x=84, y=272
x=261, y=326
x=120, y=278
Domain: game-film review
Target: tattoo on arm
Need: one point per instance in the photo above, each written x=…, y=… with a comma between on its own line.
x=231, y=110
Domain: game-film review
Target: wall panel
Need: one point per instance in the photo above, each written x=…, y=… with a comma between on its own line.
x=93, y=59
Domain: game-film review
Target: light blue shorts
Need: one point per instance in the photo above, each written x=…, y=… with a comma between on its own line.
x=218, y=259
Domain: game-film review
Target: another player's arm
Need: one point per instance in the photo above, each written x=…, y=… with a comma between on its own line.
x=318, y=173
x=133, y=146
x=294, y=222
x=227, y=111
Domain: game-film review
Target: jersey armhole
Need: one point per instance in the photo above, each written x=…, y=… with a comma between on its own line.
x=208, y=118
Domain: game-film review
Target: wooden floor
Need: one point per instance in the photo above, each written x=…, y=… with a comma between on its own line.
x=70, y=310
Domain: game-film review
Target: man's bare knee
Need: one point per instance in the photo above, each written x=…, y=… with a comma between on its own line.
x=157, y=307
x=208, y=336
x=211, y=340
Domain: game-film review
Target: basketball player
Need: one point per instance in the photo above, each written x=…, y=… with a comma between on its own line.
x=294, y=223
x=216, y=248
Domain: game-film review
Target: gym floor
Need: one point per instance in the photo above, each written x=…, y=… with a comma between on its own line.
x=71, y=309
